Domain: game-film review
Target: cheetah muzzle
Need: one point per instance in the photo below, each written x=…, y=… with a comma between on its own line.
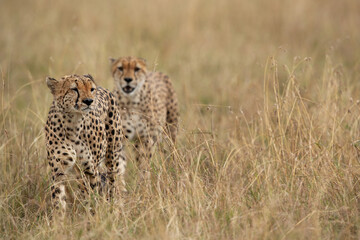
x=128, y=89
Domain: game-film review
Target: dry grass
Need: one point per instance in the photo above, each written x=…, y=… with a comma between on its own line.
x=269, y=142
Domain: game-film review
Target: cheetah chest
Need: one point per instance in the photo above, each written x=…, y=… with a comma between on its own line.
x=134, y=125
x=90, y=143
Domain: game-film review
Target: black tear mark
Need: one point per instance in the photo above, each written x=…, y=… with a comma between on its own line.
x=78, y=96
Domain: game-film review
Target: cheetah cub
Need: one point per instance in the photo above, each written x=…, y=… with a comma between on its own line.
x=82, y=130
x=148, y=105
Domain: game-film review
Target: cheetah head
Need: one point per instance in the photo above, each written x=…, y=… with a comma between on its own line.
x=129, y=74
x=73, y=93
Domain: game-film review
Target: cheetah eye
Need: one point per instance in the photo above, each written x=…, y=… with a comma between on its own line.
x=92, y=89
x=121, y=68
x=136, y=69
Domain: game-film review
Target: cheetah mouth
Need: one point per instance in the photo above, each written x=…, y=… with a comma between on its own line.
x=86, y=109
x=128, y=89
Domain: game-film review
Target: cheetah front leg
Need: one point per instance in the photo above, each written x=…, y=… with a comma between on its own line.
x=145, y=146
x=88, y=180
x=115, y=164
x=59, y=165
x=58, y=195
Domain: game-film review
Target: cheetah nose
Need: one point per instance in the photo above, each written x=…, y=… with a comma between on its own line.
x=127, y=80
x=88, y=101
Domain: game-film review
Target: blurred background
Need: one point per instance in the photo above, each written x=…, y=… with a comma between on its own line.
x=246, y=72
x=215, y=51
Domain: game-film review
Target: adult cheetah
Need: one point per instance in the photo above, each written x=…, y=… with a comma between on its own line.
x=82, y=131
x=147, y=102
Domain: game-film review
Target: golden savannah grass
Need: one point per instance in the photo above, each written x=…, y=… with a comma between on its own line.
x=268, y=144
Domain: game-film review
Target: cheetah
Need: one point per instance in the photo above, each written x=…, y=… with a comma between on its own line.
x=148, y=105
x=82, y=131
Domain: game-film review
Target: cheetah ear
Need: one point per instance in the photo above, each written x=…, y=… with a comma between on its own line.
x=112, y=60
x=51, y=83
x=143, y=60
x=89, y=76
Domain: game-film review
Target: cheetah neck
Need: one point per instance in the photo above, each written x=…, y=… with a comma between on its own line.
x=73, y=123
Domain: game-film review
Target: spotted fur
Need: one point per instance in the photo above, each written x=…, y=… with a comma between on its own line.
x=147, y=102
x=83, y=130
